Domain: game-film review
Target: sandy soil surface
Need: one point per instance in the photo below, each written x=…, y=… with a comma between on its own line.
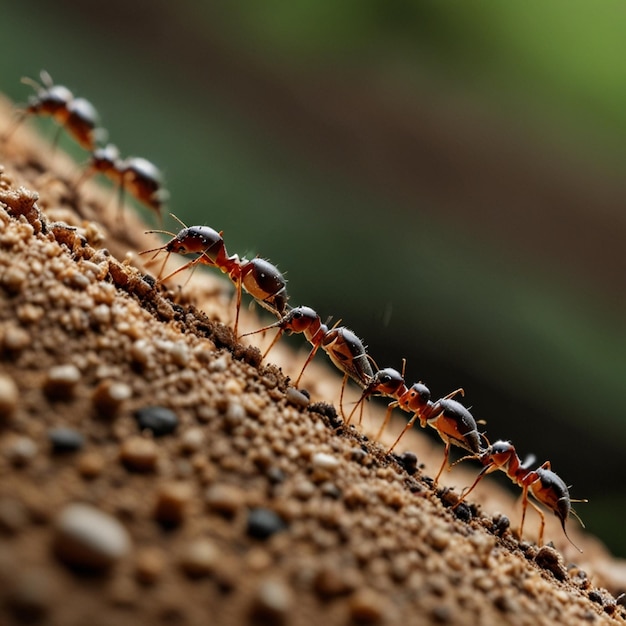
x=155, y=470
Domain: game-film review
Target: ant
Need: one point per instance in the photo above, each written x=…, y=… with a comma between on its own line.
x=542, y=483
x=139, y=176
x=452, y=421
x=262, y=280
x=77, y=115
x=343, y=347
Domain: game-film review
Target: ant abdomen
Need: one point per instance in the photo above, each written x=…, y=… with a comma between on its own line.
x=264, y=282
x=348, y=353
x=82, y=121
x=462, y=425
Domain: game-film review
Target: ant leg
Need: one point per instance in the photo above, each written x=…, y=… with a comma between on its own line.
x=181, y=269
x=55, y=139
x=486, y=470
x=454, y=393
x=279, y=334
x=524, y=505
x=238, y=306
x=408, y=425
x=308, y=360
x=167, y=256
x=343, y=386
x=542, y=524
x=446, y=455
x=359, y=404
x=390, y=407
x=120, y=201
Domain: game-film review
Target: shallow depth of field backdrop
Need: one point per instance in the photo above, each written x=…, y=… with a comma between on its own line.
x=449, y=183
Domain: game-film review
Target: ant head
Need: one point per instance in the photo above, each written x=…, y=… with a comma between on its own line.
x=386, y=382
x=49, y=101
x=300, y=319
x=197, y=240
x=498, y=453
x=417, y=398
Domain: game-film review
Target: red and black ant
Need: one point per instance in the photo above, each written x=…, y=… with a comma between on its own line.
x=542, y=483
x=262, y=280
x=136, y=175
x=77, y=115
x=452, y=421
x=342, y=346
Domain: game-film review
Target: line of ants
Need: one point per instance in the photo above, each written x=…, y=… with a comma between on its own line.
x=264, y=282
x=135, y=175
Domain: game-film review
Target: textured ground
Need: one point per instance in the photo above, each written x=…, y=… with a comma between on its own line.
x=153, y=470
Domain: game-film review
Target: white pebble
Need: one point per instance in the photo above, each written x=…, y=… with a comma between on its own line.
x=87, y=537
x=322, y=460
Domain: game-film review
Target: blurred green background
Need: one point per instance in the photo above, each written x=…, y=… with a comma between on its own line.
x=447, y=181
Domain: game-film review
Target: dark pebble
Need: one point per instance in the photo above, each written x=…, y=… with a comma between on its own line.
x=158, y=419
x=328, y=411
x=65, y=439
x=263, y=523
x=408, y=460
x=501, y=524
x=463, y=512
x=276, y=475
x=594, y=596
x=548, y=558
x=151, y=280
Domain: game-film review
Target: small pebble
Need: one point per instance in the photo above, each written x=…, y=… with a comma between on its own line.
x=30, y=596
x=16, y=339
x=325, y=461
x=367, y=607
x=86, y=537
x=90, y=465
x=13, y=280
x=109, y=396
x=192, y=440
x=65, y=439
x=160, y=420
x=272, y=601
x=548, y=558
x=9, y=397
x=200, y=558
x=225, y=499
x=61, y=381
x=296, y=397
x=438, y=538
x=332, y=582
x=263, y=523
x=172, y=503
x=139, y=454
x=20, y=450
x=408, y=460
x=150, y=565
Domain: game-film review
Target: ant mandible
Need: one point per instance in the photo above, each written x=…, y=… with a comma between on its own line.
x=342, y=346
x=542, y=483
x=77, y=115
x=136, y=175
x=262, y=280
